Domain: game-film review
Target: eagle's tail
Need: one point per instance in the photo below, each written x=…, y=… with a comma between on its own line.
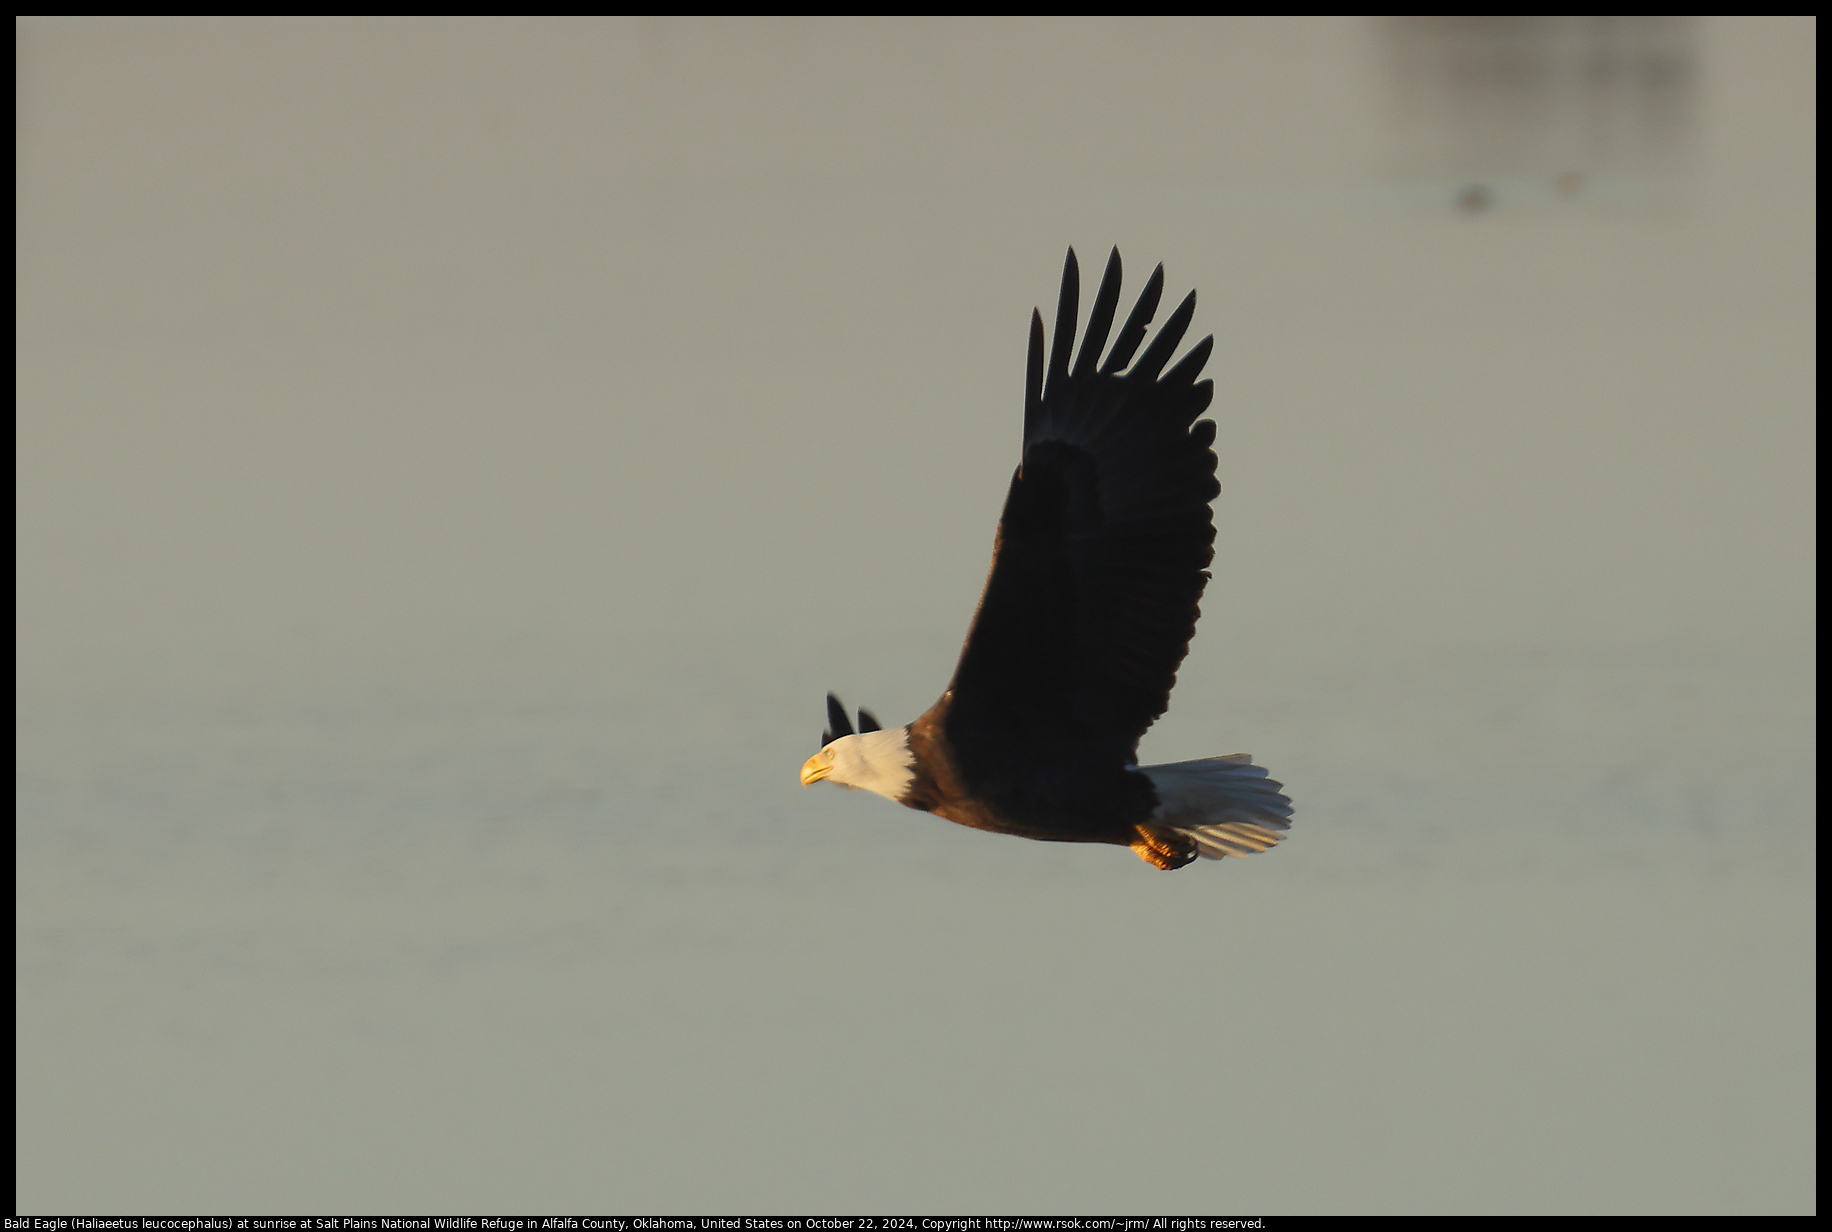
x=1226, y=806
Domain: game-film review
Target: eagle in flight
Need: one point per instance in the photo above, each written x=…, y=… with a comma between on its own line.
x=1098, y=567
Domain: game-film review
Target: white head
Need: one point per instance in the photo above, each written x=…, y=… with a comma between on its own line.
x=879, y=761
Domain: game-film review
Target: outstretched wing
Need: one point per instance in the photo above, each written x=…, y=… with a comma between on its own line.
x=1102, y=548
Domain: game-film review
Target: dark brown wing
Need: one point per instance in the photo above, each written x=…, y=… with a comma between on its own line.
x=1099, y=562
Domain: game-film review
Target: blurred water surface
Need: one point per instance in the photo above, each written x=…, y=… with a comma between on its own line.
x=456, y=456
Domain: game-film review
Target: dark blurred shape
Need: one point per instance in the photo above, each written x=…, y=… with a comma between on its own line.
x=1561, y=97
x=1474, y=198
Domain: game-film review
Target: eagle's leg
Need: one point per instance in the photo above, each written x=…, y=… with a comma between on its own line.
x=1162, y=848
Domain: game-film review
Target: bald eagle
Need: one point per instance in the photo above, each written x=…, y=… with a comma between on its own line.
x=1098, y=565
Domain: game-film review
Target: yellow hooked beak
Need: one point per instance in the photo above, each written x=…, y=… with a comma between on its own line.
x=817, y=767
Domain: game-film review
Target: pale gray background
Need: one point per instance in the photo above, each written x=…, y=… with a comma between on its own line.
x=455, y=457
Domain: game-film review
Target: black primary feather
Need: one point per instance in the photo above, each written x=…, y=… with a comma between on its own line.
x=1106, y=300
x=1066, y=307
x=1152, y=362
x=837, y=723
x=868, y=721
x=1033, y=376
x=1133, y=331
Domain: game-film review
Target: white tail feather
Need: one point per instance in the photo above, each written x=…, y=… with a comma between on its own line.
x=1226, y=804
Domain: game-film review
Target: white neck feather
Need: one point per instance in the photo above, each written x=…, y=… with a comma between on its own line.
x=878, y=761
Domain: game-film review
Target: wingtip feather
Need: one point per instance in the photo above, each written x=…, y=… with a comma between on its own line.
x=1033, y=377
x=837, y=723
x=1068, y=305
x=1165, y=344
x=1133, y=332
x=1190, y=366
x=1100, y=318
